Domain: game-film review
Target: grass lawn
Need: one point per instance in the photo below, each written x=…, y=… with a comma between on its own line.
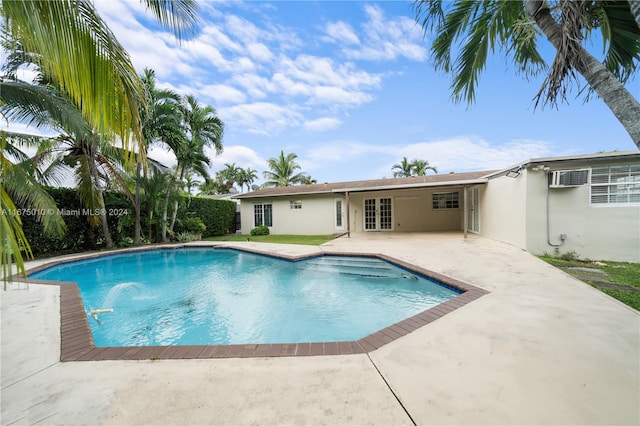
x=620, y=280
x=309, y=240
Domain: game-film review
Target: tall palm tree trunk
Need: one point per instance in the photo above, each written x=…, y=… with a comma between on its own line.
x=174, y=213
x=623, y=105
x=137, y=226
x=165, y=207
x=103, y=210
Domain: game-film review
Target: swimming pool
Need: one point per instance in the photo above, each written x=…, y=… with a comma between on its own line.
x=204, y=296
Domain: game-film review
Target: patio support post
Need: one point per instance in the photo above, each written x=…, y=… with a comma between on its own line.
x=346, y=195
x=465, y=212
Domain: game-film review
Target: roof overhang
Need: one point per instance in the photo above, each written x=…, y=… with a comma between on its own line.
x=478, y=181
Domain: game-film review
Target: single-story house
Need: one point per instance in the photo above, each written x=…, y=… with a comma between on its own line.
x=587, y=204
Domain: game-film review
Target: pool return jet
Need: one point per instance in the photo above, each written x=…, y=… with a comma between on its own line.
x=94, y=313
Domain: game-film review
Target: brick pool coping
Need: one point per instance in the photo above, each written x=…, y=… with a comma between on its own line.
x=76, y=340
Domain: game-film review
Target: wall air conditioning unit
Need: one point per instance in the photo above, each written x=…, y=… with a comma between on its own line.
x=568, y=178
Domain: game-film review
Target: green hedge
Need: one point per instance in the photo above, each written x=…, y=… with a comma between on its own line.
x=217, y=215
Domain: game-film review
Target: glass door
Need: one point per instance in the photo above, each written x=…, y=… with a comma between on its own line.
x=473, y=210
x=339, y=214
x=378, y=214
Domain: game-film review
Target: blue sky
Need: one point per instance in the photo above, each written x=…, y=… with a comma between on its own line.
x=349, y=87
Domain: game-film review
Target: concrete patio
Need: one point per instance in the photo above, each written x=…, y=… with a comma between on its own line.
x=541, y=348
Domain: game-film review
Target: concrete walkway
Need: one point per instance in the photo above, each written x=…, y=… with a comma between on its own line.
x=541, y=348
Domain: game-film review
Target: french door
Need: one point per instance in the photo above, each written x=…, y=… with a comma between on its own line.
x=378, y=214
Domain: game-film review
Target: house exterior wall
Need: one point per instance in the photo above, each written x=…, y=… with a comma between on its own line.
x=503, y=206
x=412, y=210
x=514, y=210
x=316, y=217
x=593, y=231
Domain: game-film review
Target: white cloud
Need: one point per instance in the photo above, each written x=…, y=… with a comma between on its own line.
x=222, y=93
x=162, y=155
x=389, y=38
x=341, y=32
x=242, y=155
x=459, y=154
x=322, y=124
x=261, y=117
x=261, y=76
x=465, y=153
x=259, y=52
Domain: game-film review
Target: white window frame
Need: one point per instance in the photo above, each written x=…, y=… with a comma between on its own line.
x=445, y=200
x=264, y=214
x=295, y=204
x=626, y=184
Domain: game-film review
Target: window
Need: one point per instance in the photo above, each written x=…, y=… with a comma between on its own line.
x=262, y=215
x=295, y=205
x=615, y=184
x=446, y=200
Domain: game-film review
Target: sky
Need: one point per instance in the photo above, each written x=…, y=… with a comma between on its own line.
x=350, y=88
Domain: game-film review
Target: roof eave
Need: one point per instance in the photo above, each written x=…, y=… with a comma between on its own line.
x=414, y=185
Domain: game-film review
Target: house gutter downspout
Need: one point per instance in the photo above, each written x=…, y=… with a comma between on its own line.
x=549, y=217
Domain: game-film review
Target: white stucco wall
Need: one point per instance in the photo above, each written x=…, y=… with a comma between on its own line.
x=514, y=210
x=503, y=206
x=597, y=232
x=316, y=217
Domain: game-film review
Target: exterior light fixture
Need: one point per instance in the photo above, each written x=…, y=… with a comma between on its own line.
x=514, y=173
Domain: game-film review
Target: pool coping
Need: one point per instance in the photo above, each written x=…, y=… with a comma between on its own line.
x=76, y=339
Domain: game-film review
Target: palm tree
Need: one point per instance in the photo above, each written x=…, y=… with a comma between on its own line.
x=72, y=44
x=202, y=129
x=160, y=119
x=230, y=174
x=282, y=171
x=470, y=29
x=635, y=10
x=247, y=177
x=75, y=46
x=403, y=169
x=20, y=182
x=152, y=186
x=308, y=180
x=419, y=167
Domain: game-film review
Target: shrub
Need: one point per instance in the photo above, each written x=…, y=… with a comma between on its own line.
x=260, y=230
x=569, y=256
x=194, y=225
x=185, y=237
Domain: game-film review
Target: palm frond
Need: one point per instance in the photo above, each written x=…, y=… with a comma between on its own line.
x=180, y=16
x=77, y=49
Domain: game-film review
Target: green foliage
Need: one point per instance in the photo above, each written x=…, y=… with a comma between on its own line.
x=195, y=225
x=622, y=276
x=218, y=216
x=260, y=230
x=569, y=256
x=185, y=237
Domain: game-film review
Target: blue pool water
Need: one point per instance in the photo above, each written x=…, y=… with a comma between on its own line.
x=223, y=296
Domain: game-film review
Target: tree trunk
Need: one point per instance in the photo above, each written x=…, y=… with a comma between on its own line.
x=103, y=210
x=623, y=105
x=635, y=10
x=137, y=226
x=165, y=208
x=174, y=213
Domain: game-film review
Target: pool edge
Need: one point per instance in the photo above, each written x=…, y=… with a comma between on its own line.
x=76, y=340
